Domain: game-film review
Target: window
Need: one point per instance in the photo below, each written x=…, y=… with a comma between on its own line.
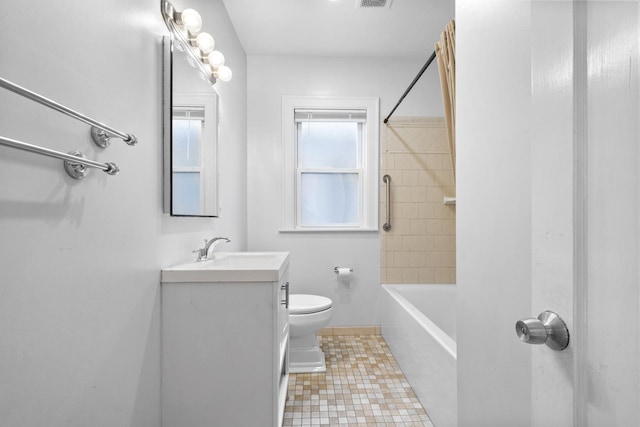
x=331, y=163
x=187, y=167
x=193, y=156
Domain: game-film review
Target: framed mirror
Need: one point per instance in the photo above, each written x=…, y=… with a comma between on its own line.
x=190, y=134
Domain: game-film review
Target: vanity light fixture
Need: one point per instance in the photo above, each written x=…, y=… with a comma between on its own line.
x=199, y=46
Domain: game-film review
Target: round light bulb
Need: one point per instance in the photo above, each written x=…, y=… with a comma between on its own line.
x=216, y=59
x=205, y=42
x=224, y=73
x=191, y=20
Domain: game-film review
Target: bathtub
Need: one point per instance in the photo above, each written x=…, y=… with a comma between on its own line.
x=418, y=324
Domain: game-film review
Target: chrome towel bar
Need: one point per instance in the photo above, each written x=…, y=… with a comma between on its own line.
x=99, y=131
x=387, y=225
x=74, y=163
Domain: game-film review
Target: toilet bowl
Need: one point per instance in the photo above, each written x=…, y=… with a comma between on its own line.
x=307, y=315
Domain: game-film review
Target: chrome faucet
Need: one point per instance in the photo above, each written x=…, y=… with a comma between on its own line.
x=203, y=253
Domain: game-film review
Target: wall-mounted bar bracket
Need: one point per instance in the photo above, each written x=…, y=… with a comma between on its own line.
x=100, y=137
x=76, y=170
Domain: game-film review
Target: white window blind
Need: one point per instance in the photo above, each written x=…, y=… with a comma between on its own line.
x=359, y=116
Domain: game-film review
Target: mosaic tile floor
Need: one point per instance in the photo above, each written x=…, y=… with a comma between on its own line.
x=363, y=386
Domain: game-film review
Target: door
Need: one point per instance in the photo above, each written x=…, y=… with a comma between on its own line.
x=548, y=214
x=608, y=371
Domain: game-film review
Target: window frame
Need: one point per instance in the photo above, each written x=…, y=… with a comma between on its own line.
x=369, y=192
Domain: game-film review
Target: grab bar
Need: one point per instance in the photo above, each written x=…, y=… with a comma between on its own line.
x=99, y=131
x=75, y=163
x=387, y=225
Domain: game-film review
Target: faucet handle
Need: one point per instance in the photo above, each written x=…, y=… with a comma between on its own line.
x=201, y=249
x=205, y=243
x=202, y=252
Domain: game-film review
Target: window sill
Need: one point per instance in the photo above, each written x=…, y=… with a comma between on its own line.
x=327, y=229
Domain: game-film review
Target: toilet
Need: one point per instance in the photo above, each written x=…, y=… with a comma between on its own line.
x=307, y=315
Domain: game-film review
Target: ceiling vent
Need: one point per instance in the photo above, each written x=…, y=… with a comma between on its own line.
x=373, y=4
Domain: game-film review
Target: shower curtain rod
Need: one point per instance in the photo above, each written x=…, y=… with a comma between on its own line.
x=429, y=61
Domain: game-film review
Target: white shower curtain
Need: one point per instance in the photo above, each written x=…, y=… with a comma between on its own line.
x=446, y=55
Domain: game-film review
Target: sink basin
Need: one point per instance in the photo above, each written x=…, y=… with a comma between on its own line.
x=230, y=267
x=248, y=260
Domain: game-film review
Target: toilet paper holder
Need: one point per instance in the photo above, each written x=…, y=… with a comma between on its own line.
x=335, y=270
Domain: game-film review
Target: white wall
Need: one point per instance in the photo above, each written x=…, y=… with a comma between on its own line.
x=314, y=255
x=80, y=261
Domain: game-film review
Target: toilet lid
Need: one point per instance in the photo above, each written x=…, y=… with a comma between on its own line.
x=307, y=304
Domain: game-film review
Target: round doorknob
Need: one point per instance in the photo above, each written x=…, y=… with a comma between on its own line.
x=531, y=331
x=548, y=328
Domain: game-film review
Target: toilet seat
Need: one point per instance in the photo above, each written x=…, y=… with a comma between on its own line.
x=308, y=304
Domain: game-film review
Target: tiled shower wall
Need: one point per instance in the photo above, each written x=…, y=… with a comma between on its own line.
x=420, y=247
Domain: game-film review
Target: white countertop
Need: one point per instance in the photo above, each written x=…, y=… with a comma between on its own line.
x=230, y=267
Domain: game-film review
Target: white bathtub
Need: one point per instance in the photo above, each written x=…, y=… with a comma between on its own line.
x=418, y=324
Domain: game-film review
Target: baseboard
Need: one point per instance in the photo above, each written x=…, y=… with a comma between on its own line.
x=350, y=330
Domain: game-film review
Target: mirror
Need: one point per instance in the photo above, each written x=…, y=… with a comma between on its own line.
x=190, y=128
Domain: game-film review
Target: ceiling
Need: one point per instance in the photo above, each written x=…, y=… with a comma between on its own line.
x=405, y=30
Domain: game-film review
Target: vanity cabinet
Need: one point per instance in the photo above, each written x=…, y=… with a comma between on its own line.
x=225, y=346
